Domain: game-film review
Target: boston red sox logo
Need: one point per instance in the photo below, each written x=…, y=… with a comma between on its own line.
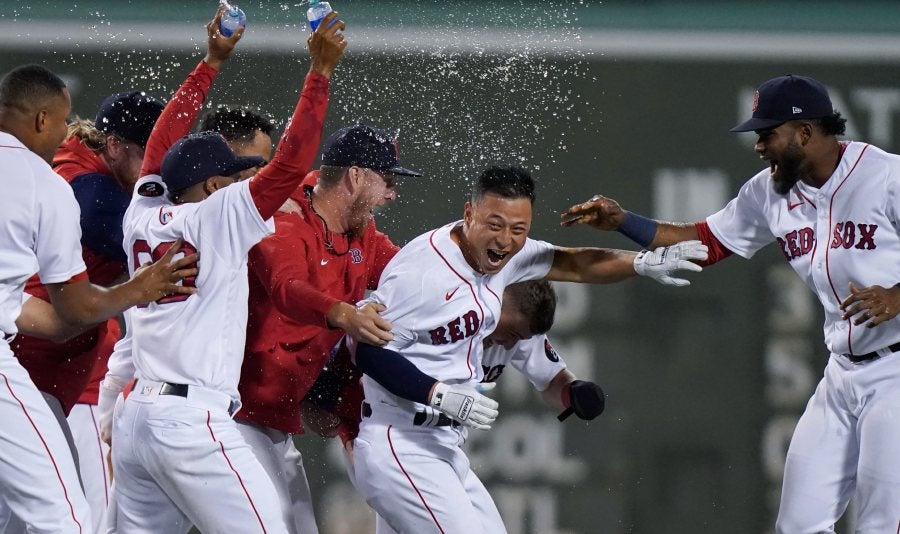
x=755, y=101
x=456, y=330
x=356, y=255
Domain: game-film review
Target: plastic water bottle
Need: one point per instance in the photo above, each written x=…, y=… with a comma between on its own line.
x=232, y=19
x=316, y=12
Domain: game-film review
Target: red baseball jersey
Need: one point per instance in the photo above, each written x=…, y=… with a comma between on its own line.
x=295, y=278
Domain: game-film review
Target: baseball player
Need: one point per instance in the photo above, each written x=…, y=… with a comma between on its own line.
x=178, y=457
x=304, y=283
x=100, y=160
x=519, y=340
x=442, y=294
x=247, y=132
x=39, y=215
x=843, y=196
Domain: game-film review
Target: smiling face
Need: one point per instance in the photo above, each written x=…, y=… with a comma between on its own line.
x=494, y=229
x=781, y=147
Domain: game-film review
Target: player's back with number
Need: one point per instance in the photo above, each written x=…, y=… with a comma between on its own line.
x=194, y=340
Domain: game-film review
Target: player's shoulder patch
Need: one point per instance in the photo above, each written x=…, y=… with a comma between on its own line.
x=150, y=189
x=550, y=352
x=166, y=214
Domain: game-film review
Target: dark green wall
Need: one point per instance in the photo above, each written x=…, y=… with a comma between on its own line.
x=699, y=396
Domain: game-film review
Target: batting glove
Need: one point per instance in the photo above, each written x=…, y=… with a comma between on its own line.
x=586, y=399
x=464, y=404
x=661, y=263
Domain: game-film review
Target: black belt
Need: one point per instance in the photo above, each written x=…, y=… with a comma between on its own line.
x=419, y=419
x=181, y=390
x=859, y=358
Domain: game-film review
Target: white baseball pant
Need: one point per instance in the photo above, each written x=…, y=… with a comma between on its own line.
x=38, y=478
x=92, y=464
x=181, y=461
x=278, y=455
x=845, y=445
x=418, y=479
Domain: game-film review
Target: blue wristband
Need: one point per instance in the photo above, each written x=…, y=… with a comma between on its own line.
x=638, y=228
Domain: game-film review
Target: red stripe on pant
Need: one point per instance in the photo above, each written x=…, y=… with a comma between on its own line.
x=413, y=484
x=233, y=470
x=46, y=448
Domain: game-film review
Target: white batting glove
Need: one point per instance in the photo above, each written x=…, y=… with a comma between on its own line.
x=110, y=388
x=659, y=264
x=465, y=405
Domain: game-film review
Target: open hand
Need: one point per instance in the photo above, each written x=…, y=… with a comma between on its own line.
x=871, y=305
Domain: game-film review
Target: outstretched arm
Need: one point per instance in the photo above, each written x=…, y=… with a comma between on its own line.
x=605, y=214
x=604, y=266
x=39, y=319
x=179, y=115
x=81, y=303
x=296, y=151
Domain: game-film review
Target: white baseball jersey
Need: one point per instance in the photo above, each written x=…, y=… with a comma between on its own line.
x=196, y=339
x=41, y=233
x=442, y=309
x=844, y=443
x=847, y=231
x=534, y=357
x=39, y=218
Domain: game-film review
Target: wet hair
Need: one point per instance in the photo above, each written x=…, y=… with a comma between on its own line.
x=505, y=182
x=833, y=124
x=85, y=130
x=28, y=86
x=536, y=301
x=329, y=175
x=236, y=123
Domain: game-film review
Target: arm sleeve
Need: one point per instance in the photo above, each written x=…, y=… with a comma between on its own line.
x=394, y=372
x=717, y=251
x=296, y=150
x=121, y=363
x=280, y=263
x=178, y=116
x=103, y=204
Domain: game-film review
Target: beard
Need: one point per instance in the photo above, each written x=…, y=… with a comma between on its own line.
x=360, y=217
x=789, y=169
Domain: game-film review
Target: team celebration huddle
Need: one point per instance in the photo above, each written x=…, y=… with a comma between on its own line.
x=182, y=297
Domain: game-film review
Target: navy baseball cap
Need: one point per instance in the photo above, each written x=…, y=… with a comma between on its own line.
x=130, y=115
x=786, y=98
x=364, y=146
x=196, y=157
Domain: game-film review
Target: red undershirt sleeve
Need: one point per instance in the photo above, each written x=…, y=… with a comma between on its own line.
x=178, y=116
x=717, y=251
x=296, y=150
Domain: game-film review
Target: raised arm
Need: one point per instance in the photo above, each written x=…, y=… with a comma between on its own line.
x=179, y=115
x=297, y=148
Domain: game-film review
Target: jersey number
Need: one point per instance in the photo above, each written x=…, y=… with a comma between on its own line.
x=142, y=253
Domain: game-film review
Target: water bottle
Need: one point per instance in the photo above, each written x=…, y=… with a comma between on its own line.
x=232, y=19
x=316, y=12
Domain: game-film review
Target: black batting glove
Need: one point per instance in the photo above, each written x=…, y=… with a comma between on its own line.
x=587, y=400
